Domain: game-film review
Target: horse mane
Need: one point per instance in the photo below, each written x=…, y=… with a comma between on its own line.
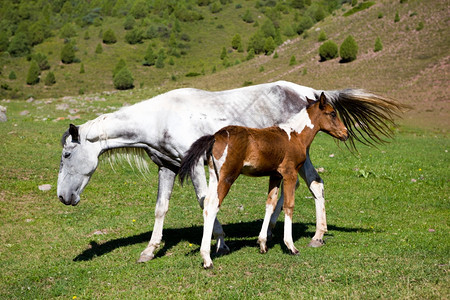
x=369, y=118
x=134, y=157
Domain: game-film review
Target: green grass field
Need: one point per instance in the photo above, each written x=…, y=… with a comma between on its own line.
x=387, y=210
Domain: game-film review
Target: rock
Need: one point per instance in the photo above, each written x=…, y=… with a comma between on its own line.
x=29, y=100
x=45, y=187
x=62, y=106
x=3, y=117
x=24, y=113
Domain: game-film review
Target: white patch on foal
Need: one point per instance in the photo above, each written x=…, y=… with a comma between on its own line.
x=297, y=123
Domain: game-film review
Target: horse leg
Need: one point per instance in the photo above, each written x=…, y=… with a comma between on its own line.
x=315, y=185
x=288, y=207
x=199, y=181
x=165, y=186
x=274, y=185
x=277, y=211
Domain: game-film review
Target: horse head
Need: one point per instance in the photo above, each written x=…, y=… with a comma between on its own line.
x=327, y=118
x=79, y=160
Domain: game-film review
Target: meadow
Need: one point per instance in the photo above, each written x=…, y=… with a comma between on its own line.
x=387, y=211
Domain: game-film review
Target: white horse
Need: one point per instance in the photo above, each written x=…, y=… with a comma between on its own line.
x=165, y=126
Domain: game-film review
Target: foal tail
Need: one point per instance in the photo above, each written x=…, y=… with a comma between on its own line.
x=202, y=146
x=369, y=118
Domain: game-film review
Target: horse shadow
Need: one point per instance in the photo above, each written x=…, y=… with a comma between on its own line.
x=238, y=236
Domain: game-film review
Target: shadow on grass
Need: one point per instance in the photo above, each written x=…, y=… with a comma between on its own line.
x=238, y=235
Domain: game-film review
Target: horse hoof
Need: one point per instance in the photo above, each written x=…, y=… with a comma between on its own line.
x=316, y=243
x=223, y=251
x=144, y=258
x=296, y=252
x=207, y=267
x=263, y=251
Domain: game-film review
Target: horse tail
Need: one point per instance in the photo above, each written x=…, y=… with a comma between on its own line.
x=369, y=118
x=202, y=146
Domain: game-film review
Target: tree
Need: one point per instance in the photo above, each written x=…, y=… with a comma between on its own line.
x=160, y=59
x=304, y=24
x=247, y=17
x=293, y=61
x=378, y=45
x=123, y=80
x=119, y=66
x=139, y=9
x=68, y=54
x=129, y=22
x=41, y=60
x=257, y=41
x=82, y=68
x=4, y=41
x=50, y=79
x=12, y=75
x=328, y=50
x=67, y=31
x=134, y=37
x=99, y=48
x=19, y=45
x=322, y=36
x=109, y=37
x=236, y=42
x=223, y=54
x=33, y=73
x=348, y=49
x=150, y=57
x=269, y=46
x=251, y=54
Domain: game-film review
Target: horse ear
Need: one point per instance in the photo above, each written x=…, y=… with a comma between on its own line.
x=310, y=101
x=322, y=101
x=73, y=130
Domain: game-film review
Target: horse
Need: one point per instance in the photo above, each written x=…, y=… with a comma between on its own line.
x=164, y=127
x=277, y=152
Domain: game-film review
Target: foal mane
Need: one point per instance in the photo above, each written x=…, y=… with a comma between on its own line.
x=369, y=118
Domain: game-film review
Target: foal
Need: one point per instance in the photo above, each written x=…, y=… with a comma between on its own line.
x=277, y=152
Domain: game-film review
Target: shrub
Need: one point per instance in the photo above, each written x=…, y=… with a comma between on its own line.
x=269, y=46
x=50, y=79
x=68, y=54
x=41, y=60
x=139, y=9
x=123, y=80
x=109, y=37
x=348, y=49
x=292, y=61
x=378, y=45
x=251, y=54
x=99, y=48
x=328, y=50
x=247, y=17
x=215, y=7
x=419, y=26
x=67, y=31
x=119, y=66
x=304, y=24
x=223, y=54
x=129, y=22
x=82, y=69
x=322, y=36
x=160, y=59
x=396, y=18
x=150, y=57
x=4, y=41
x=134, y=37
x=256, y=42
x=33, y=73
x=12, y=75
x=236, y=42
x=86, y=35
x=19, y=45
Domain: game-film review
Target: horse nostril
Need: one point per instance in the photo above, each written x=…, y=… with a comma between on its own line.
x=61, y=198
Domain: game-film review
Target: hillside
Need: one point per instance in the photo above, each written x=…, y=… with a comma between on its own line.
x=412, y=66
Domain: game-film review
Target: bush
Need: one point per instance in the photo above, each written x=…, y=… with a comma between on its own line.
x=378, y=45
x=251, y=54
x=160, y=59
x=269, y=46
x=322, y=36
x=12, y=75
x=292, y=61
x=82, y=69
x=129, y=22
x=109, y=37
x=33, y=73
x=223, y=54
x=41, y=60
x=247, y=17
x=67, y=31
x=396, y=18
x=139, y=9
x=119, y=66
x=348, y=49
x=328, y=50
x=4, y=41
x=134, y=37
x=123, y=80
x=99, y=48
x=19, y=45
x=236, y=42
x=304, y=24
x=50, y=79
x=68, y=54
x=256, y=42
x=150, y=57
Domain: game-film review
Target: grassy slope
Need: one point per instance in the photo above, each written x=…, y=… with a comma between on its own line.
x=387, y=209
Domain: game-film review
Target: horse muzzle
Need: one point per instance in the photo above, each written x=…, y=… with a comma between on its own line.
x=71, y=200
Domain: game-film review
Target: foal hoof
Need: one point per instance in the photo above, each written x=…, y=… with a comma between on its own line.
x=296, y=252
x=207, y=267
x=316, y=243
x=144, y=258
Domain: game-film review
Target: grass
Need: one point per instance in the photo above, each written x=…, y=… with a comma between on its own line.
x=387, y=212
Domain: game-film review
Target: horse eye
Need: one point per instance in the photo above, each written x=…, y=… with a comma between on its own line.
x=333, y=114
x=66, y=154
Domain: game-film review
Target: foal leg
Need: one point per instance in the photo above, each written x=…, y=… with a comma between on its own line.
x=274, y=185
x=315, y=185
x=165, y=186
x=199, y=181
x=288, y=207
